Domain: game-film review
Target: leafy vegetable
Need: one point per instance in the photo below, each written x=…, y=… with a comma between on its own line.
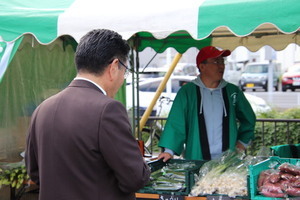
x=13, y=174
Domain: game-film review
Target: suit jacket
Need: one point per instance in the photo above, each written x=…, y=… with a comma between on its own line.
x=80, y=147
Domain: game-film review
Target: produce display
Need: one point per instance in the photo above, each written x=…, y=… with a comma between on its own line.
x=171, y=177
x=13, y=174
x=225, y=176
x=281, y=182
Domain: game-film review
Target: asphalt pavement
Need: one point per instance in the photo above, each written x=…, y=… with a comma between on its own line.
x=279, y=100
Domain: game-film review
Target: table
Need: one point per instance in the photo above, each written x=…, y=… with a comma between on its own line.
x=156, y=196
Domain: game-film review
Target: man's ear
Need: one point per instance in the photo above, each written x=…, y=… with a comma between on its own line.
x=113, y=69
x=201, y=67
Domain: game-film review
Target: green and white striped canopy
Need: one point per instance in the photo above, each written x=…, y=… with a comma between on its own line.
x=158, y=24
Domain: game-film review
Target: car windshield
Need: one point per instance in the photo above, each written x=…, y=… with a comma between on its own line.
x=152, y=86
x=257, y=69
x=151, y=74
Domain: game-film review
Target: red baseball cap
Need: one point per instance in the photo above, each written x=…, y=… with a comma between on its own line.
x=210, y=52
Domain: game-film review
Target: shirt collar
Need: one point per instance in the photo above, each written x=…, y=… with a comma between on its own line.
x=85, y=79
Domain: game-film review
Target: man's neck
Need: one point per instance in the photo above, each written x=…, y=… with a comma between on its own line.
x=209, y=83
x=95, y=79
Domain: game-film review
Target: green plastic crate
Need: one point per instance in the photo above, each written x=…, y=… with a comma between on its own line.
x=286, y=151
x=254, y=171
x=189, y=176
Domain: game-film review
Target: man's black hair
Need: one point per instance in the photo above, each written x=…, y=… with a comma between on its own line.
x=98, y=48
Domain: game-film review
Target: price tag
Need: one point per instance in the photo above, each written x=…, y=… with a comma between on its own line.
x=218, y=198
x=170, y=197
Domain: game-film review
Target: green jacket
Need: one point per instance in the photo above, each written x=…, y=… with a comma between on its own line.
x=182, y=133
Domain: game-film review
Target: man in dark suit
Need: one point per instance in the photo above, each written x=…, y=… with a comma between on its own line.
x=80, y=145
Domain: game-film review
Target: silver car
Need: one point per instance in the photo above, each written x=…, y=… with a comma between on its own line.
x=255, y=76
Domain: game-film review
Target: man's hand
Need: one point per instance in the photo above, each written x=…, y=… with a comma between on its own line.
x=240, y=147
x=165, y=156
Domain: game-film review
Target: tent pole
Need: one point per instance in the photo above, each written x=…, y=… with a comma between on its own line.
x=133, y=63
x=159, y=90
x=139, y=135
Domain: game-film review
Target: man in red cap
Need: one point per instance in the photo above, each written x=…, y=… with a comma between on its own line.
x=202, y=123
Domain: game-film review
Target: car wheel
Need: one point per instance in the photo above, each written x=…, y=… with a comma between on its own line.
x=283, y=89
x=265, y=87
x=277, y=86
x=293, y=89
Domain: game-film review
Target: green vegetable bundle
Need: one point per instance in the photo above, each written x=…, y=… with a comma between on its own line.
x=13, y=174
x=171, y=177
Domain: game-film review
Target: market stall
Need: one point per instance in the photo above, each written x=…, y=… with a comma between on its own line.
x=233, y=176
x=39, y=36
x=191, y=179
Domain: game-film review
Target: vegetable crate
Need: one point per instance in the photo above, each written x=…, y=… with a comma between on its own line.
x=286, y=150
x=189, y=176
x=254, y=172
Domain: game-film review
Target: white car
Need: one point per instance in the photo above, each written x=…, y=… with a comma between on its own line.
x=259, y=105
x=148, y=88
x=233, y=72
x=149, y=72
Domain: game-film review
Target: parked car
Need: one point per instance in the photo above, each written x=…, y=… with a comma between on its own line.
x=233, y=72
x=291, y=78
x=259, y=105
x=255, y=76
x=149, y=72
x=148, y=88
x=186, y=69
x=181, y=69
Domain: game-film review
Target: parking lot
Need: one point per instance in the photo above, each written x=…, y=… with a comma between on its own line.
x=279, y=100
